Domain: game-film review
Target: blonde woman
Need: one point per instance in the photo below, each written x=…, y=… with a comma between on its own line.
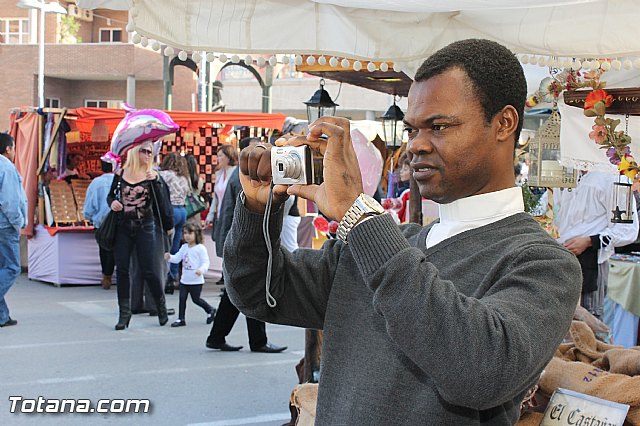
x=140, y=198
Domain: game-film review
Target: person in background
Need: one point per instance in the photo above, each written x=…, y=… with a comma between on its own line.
x=289, y=236
x=96, y=209
x=71, y=171
x=195, y=262
x=227, y=313
x=403, y=176
x=141, y=198
x=403, y=186
x=227, y=163
x=141, y=298
x=175, y=173
x=13, y=217
x=446, y=324
x=583, y=217
x=197, y=183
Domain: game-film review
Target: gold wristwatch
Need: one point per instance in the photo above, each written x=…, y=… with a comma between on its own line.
x=363, y=208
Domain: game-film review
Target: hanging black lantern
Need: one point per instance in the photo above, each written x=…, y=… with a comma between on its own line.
x=392, y=125
x=320, y=104
x=621, y=206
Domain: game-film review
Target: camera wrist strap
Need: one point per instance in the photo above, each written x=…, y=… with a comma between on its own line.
x=267, y=239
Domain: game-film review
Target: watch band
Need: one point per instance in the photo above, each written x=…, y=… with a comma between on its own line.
x=362, y=208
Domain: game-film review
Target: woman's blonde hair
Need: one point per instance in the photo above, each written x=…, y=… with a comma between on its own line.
x=133, y=158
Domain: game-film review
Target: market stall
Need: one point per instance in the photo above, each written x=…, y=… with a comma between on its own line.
x=45, y=141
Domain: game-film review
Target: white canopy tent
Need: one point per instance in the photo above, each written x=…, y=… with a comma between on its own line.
x=400, y=31
x=404, y=33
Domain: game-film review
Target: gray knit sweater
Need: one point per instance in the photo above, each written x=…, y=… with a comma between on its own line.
x=451, y=335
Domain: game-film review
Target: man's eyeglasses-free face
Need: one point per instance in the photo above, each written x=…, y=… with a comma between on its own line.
x=146, y=151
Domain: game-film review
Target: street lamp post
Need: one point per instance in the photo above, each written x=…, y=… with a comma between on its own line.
x=44, y=8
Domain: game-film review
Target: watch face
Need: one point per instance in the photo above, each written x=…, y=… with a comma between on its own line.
x=372, y=204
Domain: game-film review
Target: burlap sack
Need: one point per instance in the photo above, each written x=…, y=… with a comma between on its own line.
x=304, y=398
x=586, y=348
x=587, y=379
x=530, y=419
x=589, y=349
x=622, y=361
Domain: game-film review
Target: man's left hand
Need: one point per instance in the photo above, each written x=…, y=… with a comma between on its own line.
x=578, y=245
x=341, y=171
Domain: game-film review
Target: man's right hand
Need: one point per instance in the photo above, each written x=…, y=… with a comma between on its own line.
x=116, y=206
x=255, y=177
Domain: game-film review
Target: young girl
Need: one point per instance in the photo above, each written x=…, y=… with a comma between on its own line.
x=195, y=262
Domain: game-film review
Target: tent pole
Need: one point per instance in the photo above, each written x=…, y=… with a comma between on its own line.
x=40, y=176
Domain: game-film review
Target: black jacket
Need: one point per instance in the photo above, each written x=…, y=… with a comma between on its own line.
x=222, y=224
x=160, y=191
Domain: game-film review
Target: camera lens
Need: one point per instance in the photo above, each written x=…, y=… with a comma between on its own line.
x=290, y=166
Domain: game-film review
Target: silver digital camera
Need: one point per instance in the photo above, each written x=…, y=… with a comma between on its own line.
x=295, y=165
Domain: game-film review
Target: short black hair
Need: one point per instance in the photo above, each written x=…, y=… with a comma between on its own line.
x=72, y=157
x=245, y=142
x=6, y=141
x=495, y=73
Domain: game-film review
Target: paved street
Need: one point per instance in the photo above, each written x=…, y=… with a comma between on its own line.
x=64, y=346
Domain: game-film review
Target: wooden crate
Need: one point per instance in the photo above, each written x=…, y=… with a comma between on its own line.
x=63, y=204
x=79, y=187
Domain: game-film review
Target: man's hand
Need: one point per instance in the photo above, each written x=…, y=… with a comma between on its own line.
x=578, y=245
x=198, y=272
x=167, y=256
x=255, y=177
x=342, y=179
x=341, y=171
x=116, y=206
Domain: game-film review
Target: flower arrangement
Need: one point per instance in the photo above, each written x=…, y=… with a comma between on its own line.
x=604, y=131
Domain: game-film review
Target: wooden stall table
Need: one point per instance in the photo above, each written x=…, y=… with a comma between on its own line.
x=622, y=308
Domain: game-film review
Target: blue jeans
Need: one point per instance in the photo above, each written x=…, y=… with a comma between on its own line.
x=9, y=266
x=179, y=219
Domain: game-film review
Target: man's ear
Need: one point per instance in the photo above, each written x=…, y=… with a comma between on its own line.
x=507, y=121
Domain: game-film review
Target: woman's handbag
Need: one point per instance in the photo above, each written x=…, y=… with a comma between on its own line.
x=106, y=234
x=194, y=204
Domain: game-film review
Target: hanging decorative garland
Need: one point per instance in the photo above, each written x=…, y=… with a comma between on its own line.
x=604, y=131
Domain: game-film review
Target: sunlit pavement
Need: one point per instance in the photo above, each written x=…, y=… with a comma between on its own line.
x=64, y=347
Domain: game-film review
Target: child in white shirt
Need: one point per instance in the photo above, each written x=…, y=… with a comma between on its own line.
x=195, y=262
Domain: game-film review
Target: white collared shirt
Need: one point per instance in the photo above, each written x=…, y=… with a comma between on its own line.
x=475, y=211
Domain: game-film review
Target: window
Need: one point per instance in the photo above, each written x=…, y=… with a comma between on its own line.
x=52, y=102
x=14, y=30
x=110, y=35
x=91, y=103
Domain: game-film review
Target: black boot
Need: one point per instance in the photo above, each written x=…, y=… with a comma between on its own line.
x=163, y=317
x=125, y=314
x=169, y=286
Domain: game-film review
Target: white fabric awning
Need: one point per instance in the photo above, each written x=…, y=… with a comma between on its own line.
x=390, y=30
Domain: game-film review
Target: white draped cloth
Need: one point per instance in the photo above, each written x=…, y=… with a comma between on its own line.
x=580, y=152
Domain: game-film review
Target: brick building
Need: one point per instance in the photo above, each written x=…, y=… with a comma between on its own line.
x=94, y=65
